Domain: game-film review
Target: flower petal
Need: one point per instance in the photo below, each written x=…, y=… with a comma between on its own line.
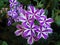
x=31, y=9
x=49, y=20
x=26, y=33
x=18, y=32
x=30, y=40
x=44, y=35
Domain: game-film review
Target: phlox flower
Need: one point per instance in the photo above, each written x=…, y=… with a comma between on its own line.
x=20, y=30
x=33, y=12
x=12, y=13
x=13, y=3
x=43, y=32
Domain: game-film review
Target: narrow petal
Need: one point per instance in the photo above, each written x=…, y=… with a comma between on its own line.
x=49, y=20
x=19, y=26
x=18, y=32
x=39, y=35
x=42, y=12
x=31, y=9
x=30, y=40
x=26, y=25
x=26, y=33
x=22, y=19
x=37, y=12
x=44, y=35
x=11, y=5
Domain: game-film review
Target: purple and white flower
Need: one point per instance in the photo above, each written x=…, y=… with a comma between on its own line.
x=12, y=13
x=43, y=32
x=10, y=21
x=13, y=3
x=30, y=29
x=33, y=12
x=44, y=21
x=20, y=30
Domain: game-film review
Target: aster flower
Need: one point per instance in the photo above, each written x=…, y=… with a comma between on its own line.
x=12, y=13
x=20, y=30
x=13, y=3
x=43, y=32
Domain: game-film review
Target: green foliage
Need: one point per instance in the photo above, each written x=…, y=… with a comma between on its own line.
x=25, y=2
x=58, y=43
x=39, y=5
x=4, y=43
x=3, y=3
x=57, y=19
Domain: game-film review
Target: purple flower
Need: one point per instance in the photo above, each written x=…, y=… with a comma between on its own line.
x=29, y=32
x=12, y=13
x=44, y=21
x=13, y=3
x=43, y=32
x=29, y=29
x=33, y=12
x=20, y=30
x=20, y=9
x=24, y=17
x=10, y=20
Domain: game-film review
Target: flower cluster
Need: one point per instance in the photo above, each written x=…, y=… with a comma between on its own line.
x=28, y=29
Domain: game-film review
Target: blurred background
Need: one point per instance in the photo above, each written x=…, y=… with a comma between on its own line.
x=52, y=9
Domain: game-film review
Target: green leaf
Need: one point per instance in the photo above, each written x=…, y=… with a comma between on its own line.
x=1, y=4
x=57, y=20
x=36, y=22
x=46, y=12
x=39, y=5
x=14, y=24
x=4, y=43
x=58, y=43
x=53, y=14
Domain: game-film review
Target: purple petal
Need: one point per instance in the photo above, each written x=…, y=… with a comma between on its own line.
x=36, y=39
x=26, y=33
x=42, y=12
x=39, y=35
x=18, y=32
x=30, y=40
x=47, y=31
x=25, y=25
x=11, y=1
x=11, y=5
x=31, y=8
x=37, y=12
x=19, y=26
x=15, y=3
x=44, y=36
x=49, y=20
x=22, y=19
